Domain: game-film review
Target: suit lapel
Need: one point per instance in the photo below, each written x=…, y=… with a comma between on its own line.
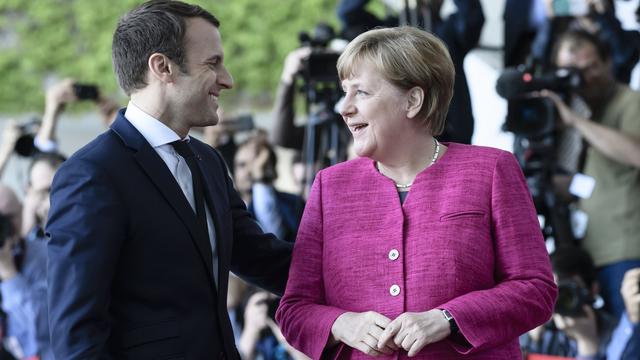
x=161, y=177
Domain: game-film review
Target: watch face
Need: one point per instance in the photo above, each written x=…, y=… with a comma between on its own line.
x=447, y=315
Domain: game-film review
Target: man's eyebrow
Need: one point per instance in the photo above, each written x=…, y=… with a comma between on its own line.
x=216, y=57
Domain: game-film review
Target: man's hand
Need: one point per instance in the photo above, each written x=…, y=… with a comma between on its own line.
x=583, y=329
x=293, y=64
x=59, y=95
x=255, y=319
x=361, y=331
x=413, y=331
x=567, y=115
x=630, y=291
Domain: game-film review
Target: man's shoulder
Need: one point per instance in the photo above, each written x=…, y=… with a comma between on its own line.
x=103, y=148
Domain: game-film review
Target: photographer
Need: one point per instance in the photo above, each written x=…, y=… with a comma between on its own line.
x=534, y=24
x=625, y=343
x=36, y=202
x=612, y=136
x=578, y=328
x=261, y=337
x=24, y=285
x=255, y=171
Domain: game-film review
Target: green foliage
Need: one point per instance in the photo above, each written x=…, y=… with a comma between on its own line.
x=42, y=40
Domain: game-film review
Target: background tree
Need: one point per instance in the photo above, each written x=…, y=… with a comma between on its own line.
x=47, y=39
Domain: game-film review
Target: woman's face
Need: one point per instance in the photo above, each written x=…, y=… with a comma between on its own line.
x=375, y=112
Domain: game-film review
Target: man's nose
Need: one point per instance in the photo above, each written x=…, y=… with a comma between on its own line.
x=225, y=79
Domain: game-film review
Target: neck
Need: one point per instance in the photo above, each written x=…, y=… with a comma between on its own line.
x=406, y=165
x=150, y=101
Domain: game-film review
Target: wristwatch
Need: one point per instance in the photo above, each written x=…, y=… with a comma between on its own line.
x=452, y=322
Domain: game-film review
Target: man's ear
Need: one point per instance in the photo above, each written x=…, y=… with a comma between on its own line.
x=161, y=68
x=415, y=99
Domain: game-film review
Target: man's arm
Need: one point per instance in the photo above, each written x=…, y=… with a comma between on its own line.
x=55, y=101
x=10, y=136
x=614, y=144
x=87, y=227
x=258, y=258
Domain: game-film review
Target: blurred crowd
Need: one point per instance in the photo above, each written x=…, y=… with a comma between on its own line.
x=598, y=311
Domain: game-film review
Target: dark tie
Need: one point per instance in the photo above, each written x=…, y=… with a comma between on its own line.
x=182, y=148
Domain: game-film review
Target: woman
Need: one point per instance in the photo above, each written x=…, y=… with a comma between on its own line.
x=416, y=247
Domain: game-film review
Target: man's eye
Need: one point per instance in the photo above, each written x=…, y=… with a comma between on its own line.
x=361, y=92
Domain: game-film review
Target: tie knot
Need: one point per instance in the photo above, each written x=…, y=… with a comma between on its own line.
x=182, y=148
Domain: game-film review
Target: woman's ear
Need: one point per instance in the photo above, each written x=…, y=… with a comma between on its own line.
x=161, y=68
x=415, y=99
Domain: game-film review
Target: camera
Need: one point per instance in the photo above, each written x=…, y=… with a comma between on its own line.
x=532, y=117
x=86, y=91
x=571, y=298
x=24, y=145
x=320, y=66
x=533, y=122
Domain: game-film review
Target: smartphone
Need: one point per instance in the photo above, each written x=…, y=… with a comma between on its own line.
x=86, y=91
x=573, y=8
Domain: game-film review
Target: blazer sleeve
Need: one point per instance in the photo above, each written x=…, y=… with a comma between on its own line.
x=303, y=315
x=86, y=228
x=524, y=293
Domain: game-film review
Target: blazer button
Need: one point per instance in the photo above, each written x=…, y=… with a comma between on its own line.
x=393, y=254
x=394, y=290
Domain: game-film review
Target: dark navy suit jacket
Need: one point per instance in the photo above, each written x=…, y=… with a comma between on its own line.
x=129, y=278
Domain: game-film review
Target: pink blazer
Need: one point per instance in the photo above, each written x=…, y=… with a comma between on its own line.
x=467, y=239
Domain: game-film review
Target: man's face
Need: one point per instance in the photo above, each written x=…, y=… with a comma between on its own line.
x=193, y=96
x=243, y=163
x=596, y=72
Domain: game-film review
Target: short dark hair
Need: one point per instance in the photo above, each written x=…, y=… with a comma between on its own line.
x=157, y=26
x=569, y=261
x=579, y=37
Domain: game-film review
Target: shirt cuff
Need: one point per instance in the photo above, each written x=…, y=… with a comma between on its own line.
x=45, y=145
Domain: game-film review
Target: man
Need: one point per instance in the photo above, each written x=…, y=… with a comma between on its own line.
x=145, y=223
x=612, y=135
x=255, y=172
x=23, y=286
x=36, y=201
x=578, y=329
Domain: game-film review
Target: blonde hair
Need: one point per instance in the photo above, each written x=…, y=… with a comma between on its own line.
x=407, y=57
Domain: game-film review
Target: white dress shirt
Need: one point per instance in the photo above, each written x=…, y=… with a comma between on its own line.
x=160, y=137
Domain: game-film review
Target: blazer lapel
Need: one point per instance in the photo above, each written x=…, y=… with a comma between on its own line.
x=161, y=177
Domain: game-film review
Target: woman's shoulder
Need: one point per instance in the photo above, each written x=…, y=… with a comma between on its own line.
x=476, y=153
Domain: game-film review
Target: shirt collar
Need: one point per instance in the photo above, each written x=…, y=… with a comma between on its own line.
x=153, y=130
